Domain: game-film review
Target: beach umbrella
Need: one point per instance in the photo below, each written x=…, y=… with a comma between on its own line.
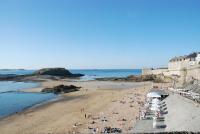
x=156, y=100
x=153, y=95
x=155, y=103
x=155, y=109
x=157, y=106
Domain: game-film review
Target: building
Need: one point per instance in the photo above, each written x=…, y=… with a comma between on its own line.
x=183, y=68
x=178, y=64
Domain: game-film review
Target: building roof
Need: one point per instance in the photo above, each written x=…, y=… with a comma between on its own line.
x=192, y=55
x=154, y=95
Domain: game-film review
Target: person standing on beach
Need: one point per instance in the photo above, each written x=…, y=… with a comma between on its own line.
x=82, y=110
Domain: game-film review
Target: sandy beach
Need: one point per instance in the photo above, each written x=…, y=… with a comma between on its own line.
x=99, y=66
x=116, y=102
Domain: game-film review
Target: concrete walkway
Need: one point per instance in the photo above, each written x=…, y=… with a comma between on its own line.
x=183, y=114
x=145, y=126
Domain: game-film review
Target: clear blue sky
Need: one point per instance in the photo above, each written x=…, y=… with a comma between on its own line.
x=97, y=33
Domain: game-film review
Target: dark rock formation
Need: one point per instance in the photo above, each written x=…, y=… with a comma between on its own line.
x=142, y=78
x=61, y=89
x=7, y=75
x=137, y=78
x=13, y=77
x=62, y=72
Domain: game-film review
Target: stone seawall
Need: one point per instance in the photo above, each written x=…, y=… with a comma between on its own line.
x=184, y=75
x=188, y=75
x=155, y=71
x=193, y=73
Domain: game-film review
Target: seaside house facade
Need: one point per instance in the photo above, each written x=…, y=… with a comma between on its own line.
x=186, y=68
x=179, y=64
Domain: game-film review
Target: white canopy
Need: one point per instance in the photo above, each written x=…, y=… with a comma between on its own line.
x=156, y=100
x=153, y=95
x=155, y=109
x=156, y=105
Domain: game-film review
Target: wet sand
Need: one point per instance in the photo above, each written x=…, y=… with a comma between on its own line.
x=114, y=100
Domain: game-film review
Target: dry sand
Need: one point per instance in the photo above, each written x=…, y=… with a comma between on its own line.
x=113, y=100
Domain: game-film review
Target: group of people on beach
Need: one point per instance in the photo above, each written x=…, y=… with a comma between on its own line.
x=101, y=123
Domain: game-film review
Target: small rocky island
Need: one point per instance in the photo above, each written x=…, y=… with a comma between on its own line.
x=60, y=72
x=61, y=89
x=47, y=73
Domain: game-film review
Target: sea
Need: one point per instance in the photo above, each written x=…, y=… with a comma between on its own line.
x=91, y=74
x=13, y=101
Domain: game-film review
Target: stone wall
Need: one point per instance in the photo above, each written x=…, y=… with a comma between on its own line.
x=149, y=71
x=175, y=67
x=182, y=69
x=193, y=73
x=184, y=75
x=188, y=75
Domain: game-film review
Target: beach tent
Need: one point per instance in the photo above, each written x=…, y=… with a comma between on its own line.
x=154, y=95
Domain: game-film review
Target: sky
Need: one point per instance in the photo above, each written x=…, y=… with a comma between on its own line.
x=97, y=34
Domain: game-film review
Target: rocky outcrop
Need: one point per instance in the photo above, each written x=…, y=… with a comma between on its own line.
x=14, y=77
x=137, y=78
x=61, y=89
x=62, y=72
x=142, y=78
x=46, y=73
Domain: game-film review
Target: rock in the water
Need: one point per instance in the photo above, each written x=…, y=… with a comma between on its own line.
x=57, y=72
x=61, y=89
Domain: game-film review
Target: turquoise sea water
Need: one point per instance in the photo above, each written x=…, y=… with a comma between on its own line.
x=91, y=74
x=15, y=72
x=12, y=102
x=6, y=86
